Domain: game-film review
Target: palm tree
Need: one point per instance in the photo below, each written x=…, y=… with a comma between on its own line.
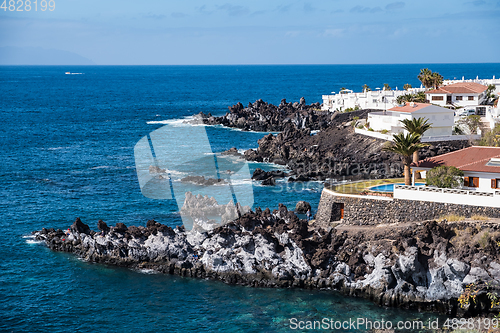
x=405, y=145
x=425, y=77
x=402, y=99
x=366, y=88
x=407, y=86
x=416, y=126
x=387, y=87
x=437, y=80
x=420, y=97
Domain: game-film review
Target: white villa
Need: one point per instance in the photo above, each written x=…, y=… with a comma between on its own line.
x=481, y=187
x=442, y=119
x=484, y=82
x=460, y=94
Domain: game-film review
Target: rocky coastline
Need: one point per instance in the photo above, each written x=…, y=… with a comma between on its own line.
x=420, y=266
x=334, y=152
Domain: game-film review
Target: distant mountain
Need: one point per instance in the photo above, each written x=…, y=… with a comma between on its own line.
x=40, y=56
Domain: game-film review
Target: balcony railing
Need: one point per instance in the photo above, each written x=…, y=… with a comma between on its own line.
x=446, y=190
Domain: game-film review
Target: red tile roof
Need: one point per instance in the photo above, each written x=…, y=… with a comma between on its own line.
x=410, y=108
x=469, y=159
x=459, y=88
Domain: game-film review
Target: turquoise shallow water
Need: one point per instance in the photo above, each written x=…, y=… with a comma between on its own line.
x=67, y=152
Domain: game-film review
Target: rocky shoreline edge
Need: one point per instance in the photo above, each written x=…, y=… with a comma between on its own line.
x=333, y=152
x=420, y=266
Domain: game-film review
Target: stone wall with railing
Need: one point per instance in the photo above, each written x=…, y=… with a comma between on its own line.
x=369, y=210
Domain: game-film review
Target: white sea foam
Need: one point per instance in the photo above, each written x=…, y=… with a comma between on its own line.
x=177, y=173
x=177, y=122
x=101, y=167
x=28, y=236
x=236, y=182
x=57, y=148
x=147, y=271
x=33, y=241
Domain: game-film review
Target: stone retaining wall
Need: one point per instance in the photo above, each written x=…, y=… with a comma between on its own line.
x=361, y=210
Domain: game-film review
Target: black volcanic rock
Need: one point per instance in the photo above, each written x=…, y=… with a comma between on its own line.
x=421, y=266
x=335, y=152
x=264, y=117
x=269, y=182
x=80, y=227
x=302, y=207
x=101, y=225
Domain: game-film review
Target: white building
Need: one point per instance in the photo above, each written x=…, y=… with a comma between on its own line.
x=481, y=185
x=460, y=94
x=442, y=119
x=379, y=99
x=484, y=82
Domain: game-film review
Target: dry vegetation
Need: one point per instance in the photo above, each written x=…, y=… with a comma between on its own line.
x=452, y=218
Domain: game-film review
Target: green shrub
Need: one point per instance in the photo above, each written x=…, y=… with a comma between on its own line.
x=445, y=177
x=384, y=131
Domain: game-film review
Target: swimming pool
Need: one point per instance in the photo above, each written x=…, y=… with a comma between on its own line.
x=389, y=187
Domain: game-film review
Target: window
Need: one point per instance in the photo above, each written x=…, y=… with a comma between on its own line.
x=437, y=98
x=458, y=98
x=495, y=183
x=471, y=181
x=471, y=98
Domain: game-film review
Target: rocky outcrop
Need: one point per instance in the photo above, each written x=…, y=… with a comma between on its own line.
x=202, y=210
x=201, y=180
x=419, y=266
x=336, y=153
x=264, y=117
x=302, y=207
x=232, y=151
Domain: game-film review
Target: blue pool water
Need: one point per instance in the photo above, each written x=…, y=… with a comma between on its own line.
x=389, y=187
x=67, y=151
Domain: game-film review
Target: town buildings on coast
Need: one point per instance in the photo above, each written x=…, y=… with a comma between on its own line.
x=454, y=93
x=444, y=107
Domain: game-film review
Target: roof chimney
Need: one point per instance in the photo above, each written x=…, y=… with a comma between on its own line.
x=412, y=104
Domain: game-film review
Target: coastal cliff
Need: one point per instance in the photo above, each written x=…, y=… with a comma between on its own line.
x=422, y=266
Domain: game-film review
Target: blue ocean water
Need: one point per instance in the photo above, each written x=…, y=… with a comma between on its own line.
x=67, y=151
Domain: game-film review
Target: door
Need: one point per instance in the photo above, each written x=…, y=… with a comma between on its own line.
x=337, y=211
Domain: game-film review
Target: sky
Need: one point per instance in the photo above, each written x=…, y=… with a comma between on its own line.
x=201, y=32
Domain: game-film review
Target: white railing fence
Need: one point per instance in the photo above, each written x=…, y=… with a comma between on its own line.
x=447, y=195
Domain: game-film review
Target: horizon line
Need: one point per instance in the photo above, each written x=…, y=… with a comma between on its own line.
x=341, y=64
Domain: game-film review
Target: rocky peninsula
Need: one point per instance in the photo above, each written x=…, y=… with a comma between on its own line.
x=421, y=266
x=318, y=145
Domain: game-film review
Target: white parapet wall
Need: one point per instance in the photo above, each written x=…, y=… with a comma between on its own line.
x=447, y=195
x=388, y=137
x=373, y=134
x=437, y=138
